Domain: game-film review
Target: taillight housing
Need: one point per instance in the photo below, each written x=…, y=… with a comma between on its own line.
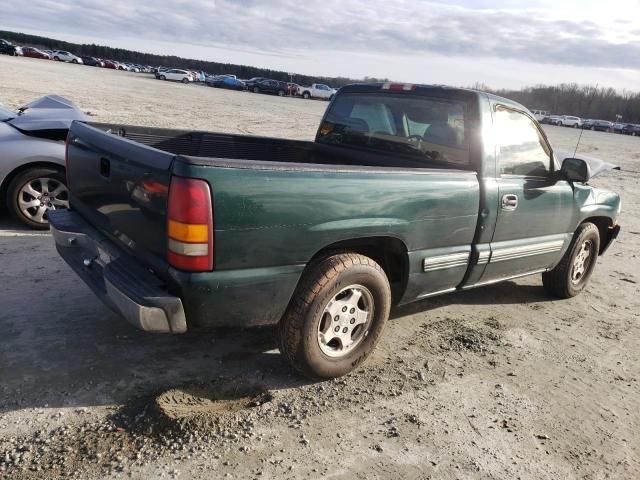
x=190, y=234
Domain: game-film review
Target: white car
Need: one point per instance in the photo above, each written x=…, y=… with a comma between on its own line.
x=317, y=90
x=64, y=56
x=570, y=121
x=539, y=115
x=176, y=75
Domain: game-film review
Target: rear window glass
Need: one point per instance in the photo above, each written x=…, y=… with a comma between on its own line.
x=427, y=128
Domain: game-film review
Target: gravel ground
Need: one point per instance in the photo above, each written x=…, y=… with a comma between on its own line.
x=498, y=382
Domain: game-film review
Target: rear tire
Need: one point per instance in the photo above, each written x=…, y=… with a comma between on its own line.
x=256, y=90
x=572, y=274
x=329, y=284
x=57, y=59
x=185, y=80
x=281, y=93
x=162, y=77
x=306, y=95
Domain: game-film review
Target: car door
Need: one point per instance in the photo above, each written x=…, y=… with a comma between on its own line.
x=534, y=222
x=172, y=75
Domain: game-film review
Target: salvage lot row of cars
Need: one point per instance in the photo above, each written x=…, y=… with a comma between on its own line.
x=231, y=82
x=587, y=123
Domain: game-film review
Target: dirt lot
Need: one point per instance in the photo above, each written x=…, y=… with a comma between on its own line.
x=499, y=382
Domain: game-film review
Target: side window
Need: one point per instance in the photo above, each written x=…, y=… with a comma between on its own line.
x=521, y=147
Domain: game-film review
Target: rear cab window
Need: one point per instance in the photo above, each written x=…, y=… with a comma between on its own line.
x=426, y=128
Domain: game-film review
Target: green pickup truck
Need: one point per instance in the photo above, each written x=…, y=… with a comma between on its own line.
x=408, y=191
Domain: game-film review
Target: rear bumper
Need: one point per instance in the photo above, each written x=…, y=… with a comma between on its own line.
x=116, y=278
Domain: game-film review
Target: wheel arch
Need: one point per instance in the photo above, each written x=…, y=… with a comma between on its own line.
x=389, y=252
x=6, y=181
x=605, y=226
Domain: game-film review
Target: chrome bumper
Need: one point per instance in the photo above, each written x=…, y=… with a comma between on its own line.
x=116, y=278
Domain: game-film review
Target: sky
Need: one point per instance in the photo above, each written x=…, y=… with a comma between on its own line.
x=502, y=43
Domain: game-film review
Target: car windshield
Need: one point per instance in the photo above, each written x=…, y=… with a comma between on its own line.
x=430, y=129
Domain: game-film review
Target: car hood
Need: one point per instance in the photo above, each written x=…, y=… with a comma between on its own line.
x=596, y=165
x=50, y=112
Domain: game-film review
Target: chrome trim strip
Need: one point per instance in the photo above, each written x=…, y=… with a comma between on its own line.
x=439, y=292
x=441, y=262
x=513, y=253
x=504, y=279
x=484, y=257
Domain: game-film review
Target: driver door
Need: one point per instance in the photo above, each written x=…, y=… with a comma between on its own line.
x=534, y=223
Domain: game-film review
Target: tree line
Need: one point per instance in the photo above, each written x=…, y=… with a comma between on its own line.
x=584, y=101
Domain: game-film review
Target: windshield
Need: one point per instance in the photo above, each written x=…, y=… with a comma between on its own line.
x=424, y=127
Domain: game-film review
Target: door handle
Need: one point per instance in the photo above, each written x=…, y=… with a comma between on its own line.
x=509, y=201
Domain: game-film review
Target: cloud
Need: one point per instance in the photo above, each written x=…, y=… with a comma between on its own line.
x=409, y=27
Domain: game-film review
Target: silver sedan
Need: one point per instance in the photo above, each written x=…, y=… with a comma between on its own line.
x=32, y=164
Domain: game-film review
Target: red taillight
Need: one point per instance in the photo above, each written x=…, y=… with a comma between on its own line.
x=190, y=225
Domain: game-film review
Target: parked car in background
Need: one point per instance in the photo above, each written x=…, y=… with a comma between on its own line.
x=253, y=81
x=540, y=114
x=631, y=129
x=552, y=120
x=176, y=75
x=598, y=125
x=270, y=86
x=570, y=121
x=110, y=64
x=195, y=230
x=317, y=90
x=292, y=89
x=64, y=56
x=226, y=82
x=8, y=48
x=92, y=61
x=32, y=165
x=33, y=52
x=618, y=127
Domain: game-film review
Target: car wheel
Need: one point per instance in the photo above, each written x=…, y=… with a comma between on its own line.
x=74, y=61
x=256, y=90
x=336, y=315
x=34, y=192
x=306, y=95
x=281, y=93
x=575, y=125
x=56, y=59
x=185, y=80
x=573, y=272
x=593, y=129
x=162, y=77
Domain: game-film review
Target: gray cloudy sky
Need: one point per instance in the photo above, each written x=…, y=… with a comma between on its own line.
x=500, y=43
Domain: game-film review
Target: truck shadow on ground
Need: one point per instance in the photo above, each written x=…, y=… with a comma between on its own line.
x=88, y=356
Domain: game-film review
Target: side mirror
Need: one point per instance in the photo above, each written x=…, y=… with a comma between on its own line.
x=575, y=170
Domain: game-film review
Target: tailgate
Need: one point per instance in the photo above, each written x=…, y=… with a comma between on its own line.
x=121, y=187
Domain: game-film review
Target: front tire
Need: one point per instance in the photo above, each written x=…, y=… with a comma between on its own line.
x=162, y=77
x=185, y=80
x=33, y=193
x=336, y=316
x=573, y=272
x=306, y=95
x=256, y=90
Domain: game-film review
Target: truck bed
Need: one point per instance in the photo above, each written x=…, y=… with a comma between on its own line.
x=211, y=148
